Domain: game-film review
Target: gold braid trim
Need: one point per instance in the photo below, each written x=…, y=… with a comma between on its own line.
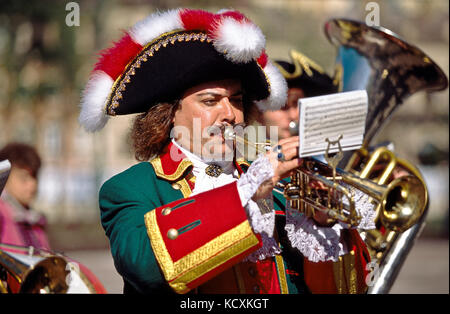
x=201, y=261
x=242, y=161
x=301, y=63
x=339, y=276
x=157, y=243
x=281, y=274
x=213, y=254
x=185, y=188
x=182, y=166
x=345, y=276
x=350, y=273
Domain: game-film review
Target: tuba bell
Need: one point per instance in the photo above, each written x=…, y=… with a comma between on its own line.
x=387, y=67
x=390, y=70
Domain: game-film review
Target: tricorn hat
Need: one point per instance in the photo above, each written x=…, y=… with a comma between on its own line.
x=167, y=53
x=307, y=75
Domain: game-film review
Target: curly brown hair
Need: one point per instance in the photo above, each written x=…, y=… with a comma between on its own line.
x=150, y=131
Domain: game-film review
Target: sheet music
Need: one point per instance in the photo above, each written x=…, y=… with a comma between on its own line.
x=5, y=168
x=332, y=116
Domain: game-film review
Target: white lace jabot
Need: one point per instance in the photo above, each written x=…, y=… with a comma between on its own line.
x=204, y=182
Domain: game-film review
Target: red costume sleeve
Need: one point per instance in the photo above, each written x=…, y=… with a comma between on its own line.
x=198, y=237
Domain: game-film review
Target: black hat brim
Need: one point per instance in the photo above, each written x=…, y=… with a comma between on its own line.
x=176, y=66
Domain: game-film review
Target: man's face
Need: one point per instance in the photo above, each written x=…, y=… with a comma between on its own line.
x=281, y=118
x=207, y=105
x=22, y=185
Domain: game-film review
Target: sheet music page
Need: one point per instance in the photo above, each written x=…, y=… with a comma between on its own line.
x=5, y=168
x=331, y=117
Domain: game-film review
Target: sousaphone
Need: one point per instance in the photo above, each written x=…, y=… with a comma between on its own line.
x=390, y=70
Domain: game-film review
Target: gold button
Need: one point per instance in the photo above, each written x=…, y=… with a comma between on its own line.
x=172, y=234
x=166, y=211
x=176, y=186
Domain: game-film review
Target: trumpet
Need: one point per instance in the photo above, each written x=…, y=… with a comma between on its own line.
x=402, y=201
x=400, y=219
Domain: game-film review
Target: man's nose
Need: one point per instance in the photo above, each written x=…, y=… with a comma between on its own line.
x=227, y=113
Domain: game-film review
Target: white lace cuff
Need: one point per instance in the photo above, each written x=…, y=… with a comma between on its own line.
x=260, y=214
x=364, y=208
x=317, y=244
x=259, y=171
x=262, y=220
x=269, y=248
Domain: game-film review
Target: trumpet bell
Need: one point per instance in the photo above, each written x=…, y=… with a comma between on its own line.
x=405, y=203
x=33, y=270
x=33, y=274
x=47, y=276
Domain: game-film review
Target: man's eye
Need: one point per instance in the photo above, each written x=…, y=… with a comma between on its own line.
x=209, y=102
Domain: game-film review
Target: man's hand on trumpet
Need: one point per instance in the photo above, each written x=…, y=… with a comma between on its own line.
x=284, y=158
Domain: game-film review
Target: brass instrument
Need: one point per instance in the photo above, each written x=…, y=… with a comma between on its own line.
x=31, y=273
x=400, y=199
x=391, y=240
x=398, y=219
x=390, y=70
x=32, y=270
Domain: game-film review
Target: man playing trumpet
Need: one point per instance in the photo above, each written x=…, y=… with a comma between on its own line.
x=185, y=218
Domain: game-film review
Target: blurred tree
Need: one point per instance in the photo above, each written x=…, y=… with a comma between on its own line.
x=40, y=62
x=27, y=50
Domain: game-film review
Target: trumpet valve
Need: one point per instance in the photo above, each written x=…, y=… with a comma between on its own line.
x=292, y=191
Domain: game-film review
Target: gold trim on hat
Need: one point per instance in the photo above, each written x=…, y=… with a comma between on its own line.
x=301, y=63
x=147, y=52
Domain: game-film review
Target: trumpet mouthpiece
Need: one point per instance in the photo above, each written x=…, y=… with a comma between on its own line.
x=229, y=134
x=293, y=128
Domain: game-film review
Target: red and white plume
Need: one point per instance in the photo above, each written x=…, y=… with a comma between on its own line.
x=233, y=35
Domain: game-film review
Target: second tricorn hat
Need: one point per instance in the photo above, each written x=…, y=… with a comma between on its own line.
x=304, y=73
